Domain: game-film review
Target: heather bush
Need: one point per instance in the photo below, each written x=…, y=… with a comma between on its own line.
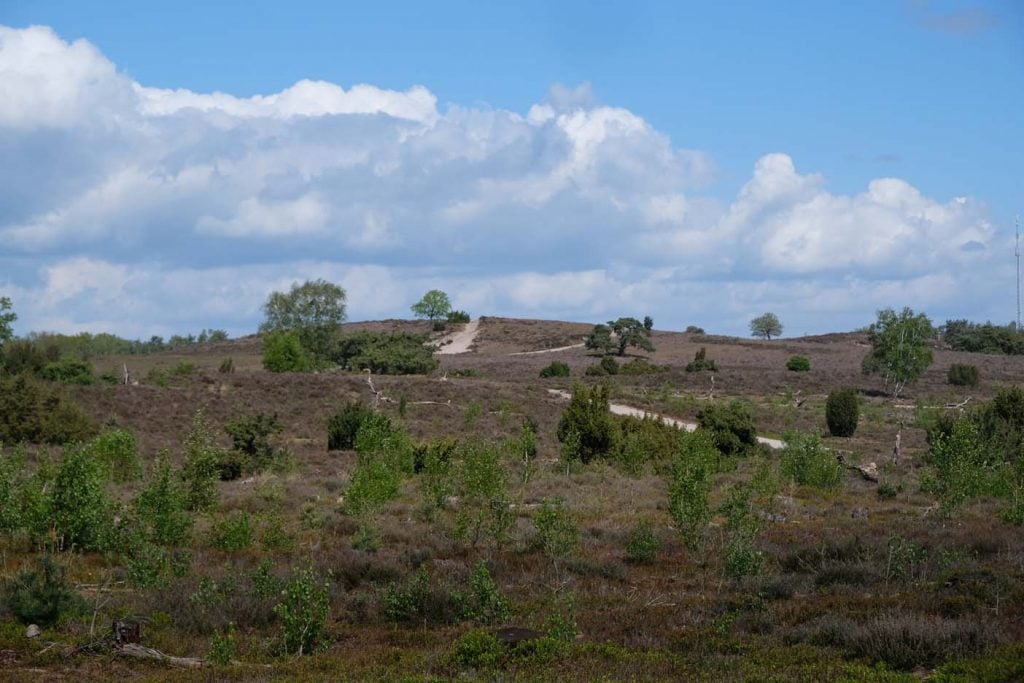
x=842, y=412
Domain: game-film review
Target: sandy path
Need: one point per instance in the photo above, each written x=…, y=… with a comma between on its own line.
x=459, y=342
x=560, y=348
x=620, y=409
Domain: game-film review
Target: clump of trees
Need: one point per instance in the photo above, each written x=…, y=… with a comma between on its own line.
x=617, y=335
x=900, y=349
x=766, y=326
x=962, y=335
x=313, y=311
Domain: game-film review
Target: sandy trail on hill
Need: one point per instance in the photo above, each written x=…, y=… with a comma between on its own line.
x=560, y=348
x=459, y=342
x=620, y=409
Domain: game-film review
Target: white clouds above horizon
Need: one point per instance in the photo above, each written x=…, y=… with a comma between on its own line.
x=142, y=209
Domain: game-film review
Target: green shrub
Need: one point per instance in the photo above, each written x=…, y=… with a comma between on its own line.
x=691, y=484
x=283, y=352
x=80, y=510
x=585, y=428
x=222, y=646
x=416, y=599
x=607, y=366
x=41, y=595
x=250, y=436
x=227, y=367
x=965, y=465
x=842, y=412
x=118, y=451
x=303, y=612
x=701, y=362
x=385, y=353
x=962, y=375
x=962, y=335
x=638, y=441
x=693, y=329
x=484, y=604
x=640, y=366
x=555, y=369
x=233, y=533
x=558, y=536
x=643, y=545
x=806, y=461
x=183, y=369
x=161, y=509
x=478, y=649
x=202, y=466
x=482, y=489
x=343, y=426
x=731, y=426
x=741, y=559
x=68, y=371
x=458, y=317
x=38, y=413
x=798, y=364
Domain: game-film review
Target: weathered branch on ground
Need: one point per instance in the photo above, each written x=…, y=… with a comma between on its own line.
x=138, y=651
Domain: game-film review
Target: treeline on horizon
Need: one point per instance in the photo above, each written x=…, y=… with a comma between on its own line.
x=87, y=345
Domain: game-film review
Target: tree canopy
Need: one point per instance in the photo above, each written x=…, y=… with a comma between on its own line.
x=433, y=306
x=619, y=334
x=313, y=310
x=899, y=347
x=766, y=326
x=7, y=318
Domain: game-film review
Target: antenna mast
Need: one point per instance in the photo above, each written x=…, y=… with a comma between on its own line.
x=1016, y=252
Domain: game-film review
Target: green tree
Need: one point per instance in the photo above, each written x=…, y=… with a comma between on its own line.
x=433, y=306
x=7, y=318
x=766, y=326
x=586, y=429
x=899, y=348
x=313, y=310
x=600, y=339
x=631, y=332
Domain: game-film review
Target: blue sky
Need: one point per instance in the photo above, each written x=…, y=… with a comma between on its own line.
x=700, y=162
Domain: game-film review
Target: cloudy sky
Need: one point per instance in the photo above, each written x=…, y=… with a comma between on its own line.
x=164, y=166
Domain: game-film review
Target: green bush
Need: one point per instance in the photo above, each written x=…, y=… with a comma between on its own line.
x=962, y=375
x=41, y=595
x=202, y=466
x=842, y=412
x=458, y=317
x=555, y=369
x=250, y=436
x=962, y=335
x=343, y=426
x=694, y=464
x=693, y=329
x=35, y=412
x=233, y=533
x=638, y=441
x=481, y=486
x=966, y=466
x=640, y=366
x=68, y=371
x=385, y=353
x=806, y=461
x=585, y=428
x=484, y=604
x=643, y=545
x=303, y=612
x=558, y=536
x=161, y=509
x=701, y=362
x=731, y=426
x=80, y=510
x=222, y=646
x=478, y=649
x=227, y=367
x=798, y=364
x=607, y=366
x=283, y=352
x=118, y=451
